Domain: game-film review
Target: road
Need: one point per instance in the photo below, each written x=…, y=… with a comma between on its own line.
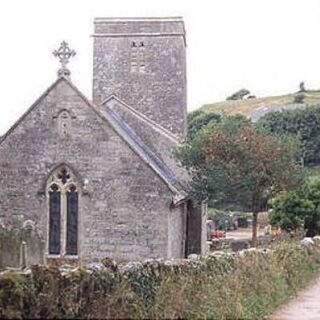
x=306, y=306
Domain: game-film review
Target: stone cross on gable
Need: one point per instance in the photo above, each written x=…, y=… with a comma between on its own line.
x=64, y=53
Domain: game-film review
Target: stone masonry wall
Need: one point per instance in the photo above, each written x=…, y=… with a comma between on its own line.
x=159, y=91
x=177, y=240
x=124, y=205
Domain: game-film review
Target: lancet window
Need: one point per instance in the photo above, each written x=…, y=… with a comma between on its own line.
x=63, y=213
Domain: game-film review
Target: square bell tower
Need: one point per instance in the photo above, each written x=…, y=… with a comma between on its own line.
x=143, y=62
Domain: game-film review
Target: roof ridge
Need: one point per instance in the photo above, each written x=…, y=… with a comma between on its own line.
x=143, y=117
x=133, y=19
x=152, y=159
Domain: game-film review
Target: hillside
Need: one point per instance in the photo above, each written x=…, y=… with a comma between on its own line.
x=257, y=107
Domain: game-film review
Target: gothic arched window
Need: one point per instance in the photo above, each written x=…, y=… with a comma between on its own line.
x=72, y=221
x=63, y=212
x=54, y=219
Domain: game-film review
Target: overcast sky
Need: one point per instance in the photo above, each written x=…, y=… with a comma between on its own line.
x=267, y=46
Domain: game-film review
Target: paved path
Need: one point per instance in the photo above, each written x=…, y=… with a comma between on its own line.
x=306, y=306
x=242, y=234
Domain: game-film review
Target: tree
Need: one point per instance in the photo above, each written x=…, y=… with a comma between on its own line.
x=311, y=191
x=301, y=123
x=194, y=114
x=200, y=120
x=294, y=210
x=233, y=164
x=239, y=95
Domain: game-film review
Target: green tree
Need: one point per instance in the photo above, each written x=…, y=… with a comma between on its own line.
x=303, y=124
x=298, y=209
x=196, y=121
x=239, y=95
x=290, y=211
x=311, y=192
x=232, y=163
x=194, y=114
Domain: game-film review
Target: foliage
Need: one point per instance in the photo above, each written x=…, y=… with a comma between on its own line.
x=216, y=214
x=222, y=219
x=239, y=95
x=248, y=285
x=289, y=211
x=301, y=123
x=302, y=87
x=233, y=164
x=294, y=210
x=193, y=114
x=198, y=120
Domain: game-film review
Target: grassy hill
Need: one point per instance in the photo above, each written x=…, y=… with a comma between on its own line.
x=257, y=107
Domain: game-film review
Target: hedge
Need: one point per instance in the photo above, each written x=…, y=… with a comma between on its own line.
x=249, y=284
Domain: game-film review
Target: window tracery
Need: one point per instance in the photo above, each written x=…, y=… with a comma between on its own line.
x=63, y=212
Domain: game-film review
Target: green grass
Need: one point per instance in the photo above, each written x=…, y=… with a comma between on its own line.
x=247, y=105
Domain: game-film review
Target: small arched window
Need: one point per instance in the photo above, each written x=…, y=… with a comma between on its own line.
x=63, y=212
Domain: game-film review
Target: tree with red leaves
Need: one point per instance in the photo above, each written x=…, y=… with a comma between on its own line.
x=234, y=165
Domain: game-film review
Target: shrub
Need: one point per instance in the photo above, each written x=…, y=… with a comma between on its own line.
x=289, y=211
x=220, y=286
x=301, y=209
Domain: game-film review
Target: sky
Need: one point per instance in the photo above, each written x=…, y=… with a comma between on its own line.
x=266, y=46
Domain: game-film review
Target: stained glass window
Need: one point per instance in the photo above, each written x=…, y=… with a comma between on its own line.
x=63, y=212
x=72, y=221
x=54, y=219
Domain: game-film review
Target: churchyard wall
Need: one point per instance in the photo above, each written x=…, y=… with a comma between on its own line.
x=244, y=285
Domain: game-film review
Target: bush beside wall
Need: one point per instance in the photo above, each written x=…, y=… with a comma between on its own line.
x=248, y=284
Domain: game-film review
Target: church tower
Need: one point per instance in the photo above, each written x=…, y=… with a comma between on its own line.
x=143, y=62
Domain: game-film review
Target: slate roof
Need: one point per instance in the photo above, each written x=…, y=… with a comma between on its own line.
x=143, y=150
x=159, y=140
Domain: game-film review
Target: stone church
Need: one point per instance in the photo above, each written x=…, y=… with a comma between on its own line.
x=96, y=178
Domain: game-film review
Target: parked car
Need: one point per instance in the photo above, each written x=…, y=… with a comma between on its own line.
x=218, y=234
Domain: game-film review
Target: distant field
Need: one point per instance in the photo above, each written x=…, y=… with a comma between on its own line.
x=259, y=106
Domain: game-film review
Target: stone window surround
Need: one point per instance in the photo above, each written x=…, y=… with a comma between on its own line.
x=72, y=181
